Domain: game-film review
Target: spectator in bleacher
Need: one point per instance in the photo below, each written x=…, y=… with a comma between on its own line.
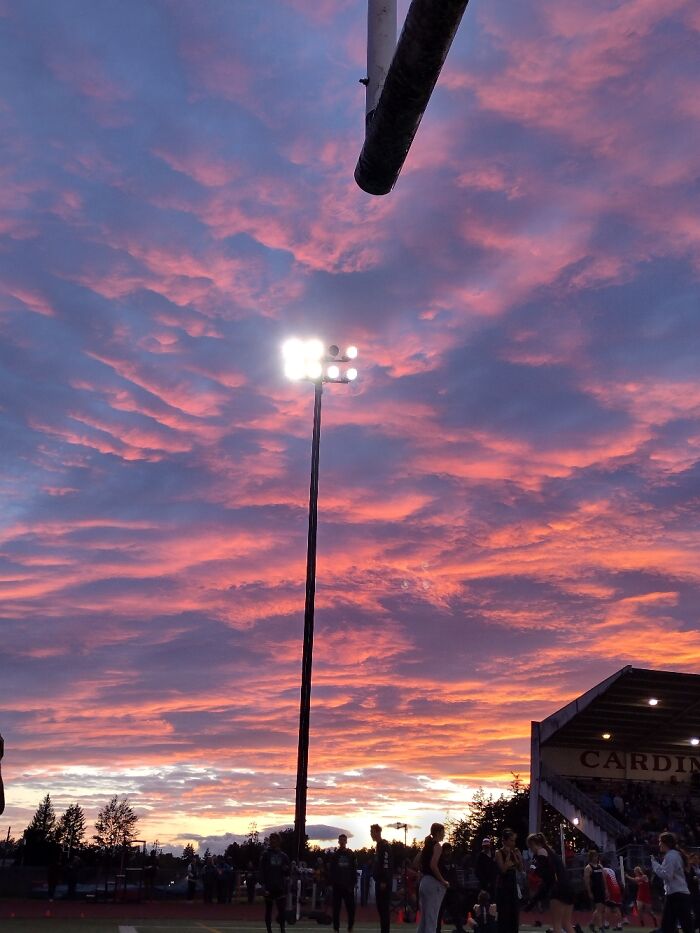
x=677, y=904
x=594, y=882
x=642, y=894
x=509, y=864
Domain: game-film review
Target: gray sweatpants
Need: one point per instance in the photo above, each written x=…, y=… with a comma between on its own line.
x=431, y=893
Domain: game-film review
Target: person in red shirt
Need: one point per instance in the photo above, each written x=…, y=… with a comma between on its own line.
x=643, y=895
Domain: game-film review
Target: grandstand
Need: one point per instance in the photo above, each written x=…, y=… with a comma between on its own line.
x=622, y=761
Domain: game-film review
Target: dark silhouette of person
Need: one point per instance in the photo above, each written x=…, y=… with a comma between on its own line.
x=383, y=874
x=2, y=788
x=250, y=879
x=274, y=876
x=150, y=872
x=343, y=872
x=70, y=876
x=485, y=869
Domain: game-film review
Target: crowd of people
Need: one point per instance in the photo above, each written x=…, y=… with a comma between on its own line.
x=647, y=808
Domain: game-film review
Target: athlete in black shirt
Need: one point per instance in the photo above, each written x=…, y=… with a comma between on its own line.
x=383, y=874
x=343, y=879
x=274, y=876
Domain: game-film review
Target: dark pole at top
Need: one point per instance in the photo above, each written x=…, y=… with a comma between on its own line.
x=425, y=40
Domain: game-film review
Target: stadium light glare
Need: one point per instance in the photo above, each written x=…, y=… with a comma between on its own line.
x=351, y=353
x=575, y=821
x=695, y=741
x=333, y=371
x=313, y=349
x=607, y=736
x=653, y=701
x=293, y=349
x=351, y=374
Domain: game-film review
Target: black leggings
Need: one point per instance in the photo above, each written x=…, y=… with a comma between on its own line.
x=278, y=899
x=677, y=909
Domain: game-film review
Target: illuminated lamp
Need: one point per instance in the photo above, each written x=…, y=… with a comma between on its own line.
x=607, y=736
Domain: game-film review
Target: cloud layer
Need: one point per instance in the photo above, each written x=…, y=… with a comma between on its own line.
x=509, y=494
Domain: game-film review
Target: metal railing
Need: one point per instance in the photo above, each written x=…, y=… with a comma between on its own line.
x=584, y=803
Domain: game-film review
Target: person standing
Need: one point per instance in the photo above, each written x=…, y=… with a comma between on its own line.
x=2, y=788
x=432, y=883
x=508, y=862
x=452, y=902
x=555, y=882
x=485, y=868
x=191, y=878
x=594, y=880
x=383, y=874
x=642, y=895
x=274, y=875
x=677, y=905
x=343, y=871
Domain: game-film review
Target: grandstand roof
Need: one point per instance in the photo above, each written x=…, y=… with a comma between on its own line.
x=619, y=707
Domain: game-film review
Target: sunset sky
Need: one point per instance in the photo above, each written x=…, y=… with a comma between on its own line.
x=509, y=494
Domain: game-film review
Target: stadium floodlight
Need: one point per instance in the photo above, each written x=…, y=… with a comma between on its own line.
x=351, y=353
x=575, y=821
x=653, y=701
x=695, y=741
x=607, y=736
x=310, y=360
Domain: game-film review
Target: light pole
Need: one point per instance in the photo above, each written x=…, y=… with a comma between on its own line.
x=309, y=360
x=404, y=827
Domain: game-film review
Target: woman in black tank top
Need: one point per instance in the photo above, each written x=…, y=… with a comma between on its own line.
x=432, y=884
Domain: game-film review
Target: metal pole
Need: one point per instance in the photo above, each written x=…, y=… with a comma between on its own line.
x=425, y=40
x=307, y=654
x=381, y=43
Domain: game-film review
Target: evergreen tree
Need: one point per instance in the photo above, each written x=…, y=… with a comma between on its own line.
x=43, y=822
x=188, y=853
x=116, y=823
x=70, y=832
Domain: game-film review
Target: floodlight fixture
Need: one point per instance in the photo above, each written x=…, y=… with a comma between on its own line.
x=307, y=359
x=653, y=701
x=695, y=741
x=607, y=736
x=314, y=349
